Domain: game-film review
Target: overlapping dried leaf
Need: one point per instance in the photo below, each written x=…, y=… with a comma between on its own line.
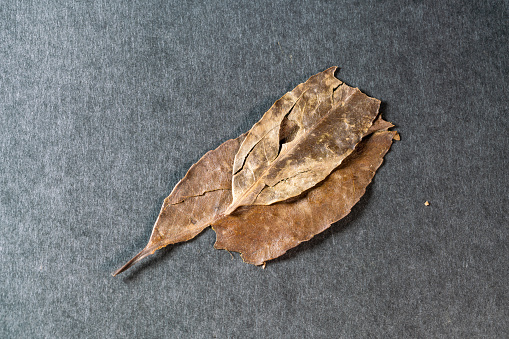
x=195, y=202
x=303, y=137
x=262, y=233
x=298, y=170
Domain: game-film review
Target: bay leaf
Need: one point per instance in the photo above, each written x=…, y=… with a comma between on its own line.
x=197, y=200
x=307, y=149
x=300, y=140
x=262, y=233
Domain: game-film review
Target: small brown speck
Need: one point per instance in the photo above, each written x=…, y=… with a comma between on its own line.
x=426, y=203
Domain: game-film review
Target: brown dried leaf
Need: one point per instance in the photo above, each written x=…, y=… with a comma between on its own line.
x=307, y=133
x=262, y=233
x=198, y=199
x=300, y=140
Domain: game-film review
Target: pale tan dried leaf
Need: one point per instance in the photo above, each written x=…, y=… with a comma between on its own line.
x=300, y=140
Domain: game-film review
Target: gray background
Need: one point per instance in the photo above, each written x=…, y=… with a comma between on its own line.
x=105, y=104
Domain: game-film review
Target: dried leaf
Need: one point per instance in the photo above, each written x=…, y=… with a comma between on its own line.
x=300, y=140
x=262, y=233
x=198, y=199
x=290, y=154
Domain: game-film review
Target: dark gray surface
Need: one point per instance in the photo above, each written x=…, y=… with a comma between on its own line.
x=106, y=104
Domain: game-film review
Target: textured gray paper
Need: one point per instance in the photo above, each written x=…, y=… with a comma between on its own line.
x=104, y=105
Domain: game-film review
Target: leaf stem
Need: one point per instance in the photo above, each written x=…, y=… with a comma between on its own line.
x=143, y=253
